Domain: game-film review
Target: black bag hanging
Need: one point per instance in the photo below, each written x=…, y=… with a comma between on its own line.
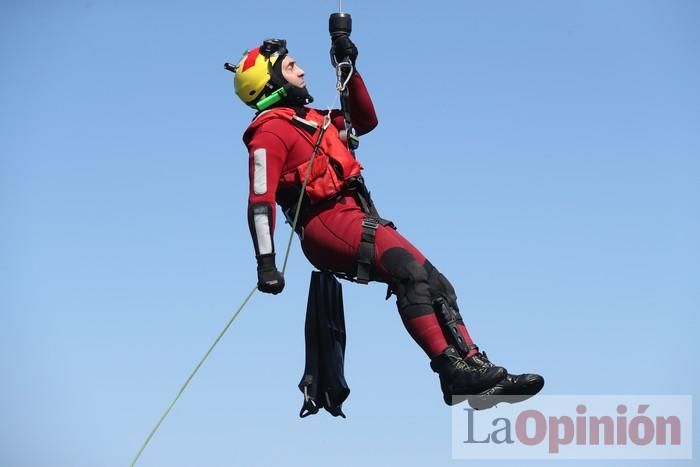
x=323, y=383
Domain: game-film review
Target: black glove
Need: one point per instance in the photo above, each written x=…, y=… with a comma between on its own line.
x=342, y=48
x=270, y=280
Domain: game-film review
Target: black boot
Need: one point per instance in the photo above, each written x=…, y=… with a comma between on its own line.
x=511, y=389
x=460, y=377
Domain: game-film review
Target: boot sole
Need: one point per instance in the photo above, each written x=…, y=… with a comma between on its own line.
x=495, y=395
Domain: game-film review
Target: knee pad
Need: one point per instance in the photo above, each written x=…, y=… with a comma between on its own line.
x=409, y=280
x=440, y=287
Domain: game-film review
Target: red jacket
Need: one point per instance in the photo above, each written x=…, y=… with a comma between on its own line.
x=279, y=152
x=333, y=163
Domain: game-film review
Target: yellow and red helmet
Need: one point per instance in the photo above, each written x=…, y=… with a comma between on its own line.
x=258, y=76
x=254, y=71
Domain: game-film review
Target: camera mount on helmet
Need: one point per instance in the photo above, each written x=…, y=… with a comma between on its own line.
x=273, y=46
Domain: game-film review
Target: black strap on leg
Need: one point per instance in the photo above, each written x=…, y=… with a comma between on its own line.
x=323, y=383
x=449, y=318
x=365, y=252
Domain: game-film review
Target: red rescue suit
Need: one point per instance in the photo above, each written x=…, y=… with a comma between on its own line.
x=280, y=143
x=333, y=163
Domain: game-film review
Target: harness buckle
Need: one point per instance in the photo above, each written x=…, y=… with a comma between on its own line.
x=370, y=223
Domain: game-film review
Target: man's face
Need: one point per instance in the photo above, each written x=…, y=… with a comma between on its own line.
x=293, y=72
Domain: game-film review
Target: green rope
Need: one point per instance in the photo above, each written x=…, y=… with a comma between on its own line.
x=184, y=386
x=324, y=126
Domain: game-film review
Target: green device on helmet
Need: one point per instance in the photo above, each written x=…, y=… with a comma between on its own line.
x=272, y=99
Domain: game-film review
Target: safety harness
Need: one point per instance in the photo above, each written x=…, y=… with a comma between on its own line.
x=370, y=224
x=323, y=383
x=330, y=174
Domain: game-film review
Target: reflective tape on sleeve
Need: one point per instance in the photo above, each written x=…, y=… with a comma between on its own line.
x=262, y=233
x=260, y=171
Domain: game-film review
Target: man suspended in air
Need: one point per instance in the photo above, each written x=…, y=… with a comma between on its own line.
x=338, y=224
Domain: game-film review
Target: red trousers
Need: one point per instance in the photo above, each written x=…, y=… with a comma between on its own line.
x=330, y=240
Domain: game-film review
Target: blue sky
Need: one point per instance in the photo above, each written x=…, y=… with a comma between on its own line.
x=544, y=155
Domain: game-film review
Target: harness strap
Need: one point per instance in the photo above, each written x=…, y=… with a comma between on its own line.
x=365, y=252
x=370, y=224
